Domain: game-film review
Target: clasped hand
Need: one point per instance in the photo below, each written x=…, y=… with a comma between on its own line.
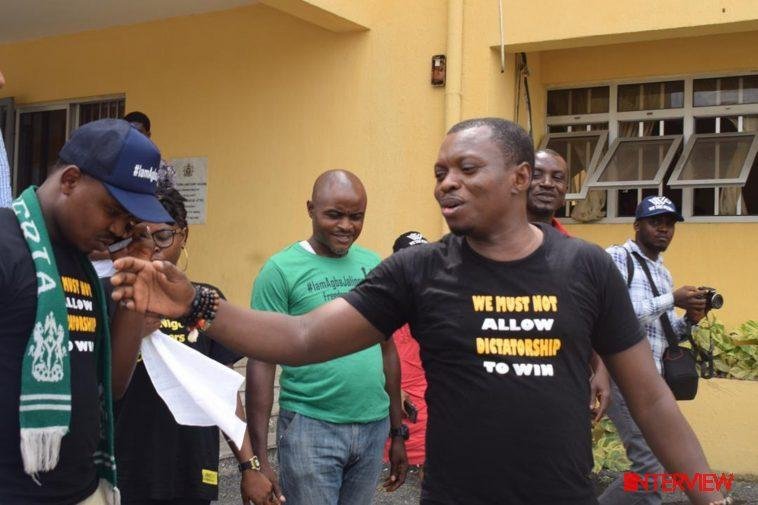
x=152, y=287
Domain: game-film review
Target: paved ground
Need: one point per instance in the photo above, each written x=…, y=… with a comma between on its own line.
x=744, y=492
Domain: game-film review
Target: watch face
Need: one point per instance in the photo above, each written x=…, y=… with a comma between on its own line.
x=404, y=432
x=251, y=464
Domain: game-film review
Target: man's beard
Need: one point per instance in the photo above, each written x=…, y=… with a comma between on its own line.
x=460, y=231
x=540, y=214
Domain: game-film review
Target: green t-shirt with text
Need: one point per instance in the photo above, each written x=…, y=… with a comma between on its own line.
x=349, y=389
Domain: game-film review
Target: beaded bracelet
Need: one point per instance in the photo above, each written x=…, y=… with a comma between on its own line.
x=202, y=311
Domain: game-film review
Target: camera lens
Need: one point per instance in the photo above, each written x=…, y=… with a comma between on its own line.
x=717, y=301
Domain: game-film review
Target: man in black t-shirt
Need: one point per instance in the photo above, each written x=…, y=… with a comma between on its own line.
x=89, y=200
x=506, y=315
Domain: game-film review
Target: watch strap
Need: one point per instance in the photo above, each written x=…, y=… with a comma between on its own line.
x=250, y=464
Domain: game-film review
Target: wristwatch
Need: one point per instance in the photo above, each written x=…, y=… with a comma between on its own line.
x=250, y=464
x=401, y=431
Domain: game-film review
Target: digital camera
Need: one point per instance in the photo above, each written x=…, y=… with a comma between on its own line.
x=713, y=300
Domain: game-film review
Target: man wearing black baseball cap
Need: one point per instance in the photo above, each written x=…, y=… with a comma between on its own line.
x=655, y=219
x=59, y=365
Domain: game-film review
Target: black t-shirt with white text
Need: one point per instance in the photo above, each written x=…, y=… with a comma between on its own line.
x=74, y=478
x=157, y=458
x=506, y=349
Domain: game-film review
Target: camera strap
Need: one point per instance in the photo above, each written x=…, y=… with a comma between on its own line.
x=668, y=329
x=706, y=357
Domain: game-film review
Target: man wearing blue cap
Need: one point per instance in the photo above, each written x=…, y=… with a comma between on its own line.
x=654, y=224
x=56, y=426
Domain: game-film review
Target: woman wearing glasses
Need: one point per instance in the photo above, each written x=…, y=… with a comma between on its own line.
x=159, y=461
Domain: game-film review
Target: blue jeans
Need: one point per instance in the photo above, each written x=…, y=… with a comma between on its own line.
x=642, y=458
x=322, y=463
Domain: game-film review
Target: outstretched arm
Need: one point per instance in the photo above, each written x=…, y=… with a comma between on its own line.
x=332, y=330
x=654, y=409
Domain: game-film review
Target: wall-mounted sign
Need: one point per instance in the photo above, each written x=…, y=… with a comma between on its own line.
x=191, y=180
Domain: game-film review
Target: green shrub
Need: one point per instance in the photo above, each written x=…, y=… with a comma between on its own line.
x=607, y=448
x=735, y=354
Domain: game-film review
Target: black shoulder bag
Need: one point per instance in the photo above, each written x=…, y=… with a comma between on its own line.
x=679, y=363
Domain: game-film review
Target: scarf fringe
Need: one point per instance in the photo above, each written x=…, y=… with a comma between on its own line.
x=40, y=448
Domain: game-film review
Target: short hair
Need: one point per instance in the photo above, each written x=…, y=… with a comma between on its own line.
x=550, y=152
x=138, y=117
x=513, y=140
x=172, y=201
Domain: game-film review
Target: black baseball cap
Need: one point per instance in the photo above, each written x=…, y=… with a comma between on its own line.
x=124, y=160
x=656, y=205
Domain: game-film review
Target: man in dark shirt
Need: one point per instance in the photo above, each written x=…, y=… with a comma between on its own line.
x=89, y=200
x=506, y=314
x=547, y=194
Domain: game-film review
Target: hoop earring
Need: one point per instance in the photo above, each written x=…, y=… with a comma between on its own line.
x=186, y=261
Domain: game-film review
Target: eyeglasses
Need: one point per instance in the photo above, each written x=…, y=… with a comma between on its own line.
x=164, y=238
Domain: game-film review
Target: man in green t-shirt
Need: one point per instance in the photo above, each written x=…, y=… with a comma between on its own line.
x=333, y=418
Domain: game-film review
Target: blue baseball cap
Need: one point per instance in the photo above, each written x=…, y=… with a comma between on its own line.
x=656, y=205
x=124, y=160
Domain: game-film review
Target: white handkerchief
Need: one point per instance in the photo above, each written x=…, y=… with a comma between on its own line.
x=197, y=390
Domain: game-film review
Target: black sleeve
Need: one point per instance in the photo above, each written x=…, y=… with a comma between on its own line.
x=385, y=296
x=617, y=327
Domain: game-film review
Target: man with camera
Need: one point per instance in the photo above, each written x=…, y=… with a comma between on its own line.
x=655, y=219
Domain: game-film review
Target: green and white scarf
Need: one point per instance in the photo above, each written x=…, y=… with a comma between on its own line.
x=45, y=402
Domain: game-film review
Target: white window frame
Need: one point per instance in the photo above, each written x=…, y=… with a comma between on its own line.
x=602, y=139
x=676, y=182
x=687, y=113
x=594, y=181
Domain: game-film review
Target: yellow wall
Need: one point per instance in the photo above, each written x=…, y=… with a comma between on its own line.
x=550, y=24
x=687, y=55
x=272, y=101
x=723, y=416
